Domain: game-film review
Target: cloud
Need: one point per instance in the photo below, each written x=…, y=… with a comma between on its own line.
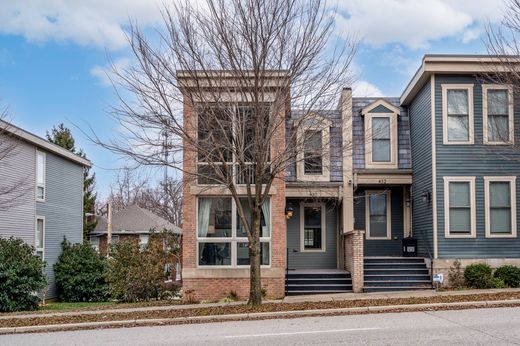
x=365, y=89
x=105, y=74
x=415, y=23
x=98, y=23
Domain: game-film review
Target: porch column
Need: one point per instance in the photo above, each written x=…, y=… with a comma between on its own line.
x=354, y=258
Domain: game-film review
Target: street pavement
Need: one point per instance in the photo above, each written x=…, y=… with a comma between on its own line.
x=496, y=326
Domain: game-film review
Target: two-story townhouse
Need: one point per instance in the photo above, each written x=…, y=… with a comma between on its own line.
x=436, y=165
x=50, y=205
x=465, y=163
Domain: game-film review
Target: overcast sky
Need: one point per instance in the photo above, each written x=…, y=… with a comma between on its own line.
x=53, y=54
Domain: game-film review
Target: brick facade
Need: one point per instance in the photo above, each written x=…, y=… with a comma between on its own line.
x=214, y=284
x=354, y=257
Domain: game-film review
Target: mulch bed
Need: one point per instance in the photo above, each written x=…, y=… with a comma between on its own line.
x=240, y=309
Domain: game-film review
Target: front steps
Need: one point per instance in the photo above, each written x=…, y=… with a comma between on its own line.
x=300, y=282
x=383, y=274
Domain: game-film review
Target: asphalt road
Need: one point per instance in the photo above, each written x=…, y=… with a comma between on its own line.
x=466, y=327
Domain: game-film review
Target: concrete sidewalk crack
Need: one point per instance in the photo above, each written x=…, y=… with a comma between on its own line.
x=515, y=342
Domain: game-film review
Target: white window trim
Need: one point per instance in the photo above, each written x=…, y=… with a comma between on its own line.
x=368, y=193
x=323, y=227
x=42, y=249
x=471, y=133
x=393, y=141
x=233, y=239
x=509, y=88
x=512, y=186
x=324, y=125
x=473, y=214
x=44, y=155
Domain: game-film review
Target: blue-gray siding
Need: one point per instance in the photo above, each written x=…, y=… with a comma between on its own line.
x=18, y=169
x=390, y=247
x=310, y=260
x=358, y=132
x=62, y=209
x=473, y=160
x=421, y=143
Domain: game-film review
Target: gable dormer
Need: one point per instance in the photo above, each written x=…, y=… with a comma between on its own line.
x=381, y=138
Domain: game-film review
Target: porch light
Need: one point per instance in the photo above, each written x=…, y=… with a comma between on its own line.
x=289, y=212
x=425, y=196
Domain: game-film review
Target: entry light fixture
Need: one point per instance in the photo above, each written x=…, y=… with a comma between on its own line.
x=289, y=211
x=425, y=196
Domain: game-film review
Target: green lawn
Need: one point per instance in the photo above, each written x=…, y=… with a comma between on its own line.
x=57, y=306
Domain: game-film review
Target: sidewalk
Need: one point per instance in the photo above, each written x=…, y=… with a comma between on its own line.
x=287, y=300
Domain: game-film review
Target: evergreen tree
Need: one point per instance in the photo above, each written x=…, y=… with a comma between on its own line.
x=62, y=136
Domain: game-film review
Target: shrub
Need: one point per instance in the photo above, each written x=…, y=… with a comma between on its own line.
x=21, y=275
x=135, y=275
x=479, y=276
x=456, y=275
x=80, y=273
x=509, y=274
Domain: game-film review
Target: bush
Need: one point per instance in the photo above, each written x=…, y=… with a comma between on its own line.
x=479, y=276
x=509, y=274
x=456, y=276
x=135, y=275
x=80, y=273
x=21, y=275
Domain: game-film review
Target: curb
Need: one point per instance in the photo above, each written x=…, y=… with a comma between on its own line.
x=258, y=316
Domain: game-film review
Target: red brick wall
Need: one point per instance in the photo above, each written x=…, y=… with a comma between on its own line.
x=217, y=288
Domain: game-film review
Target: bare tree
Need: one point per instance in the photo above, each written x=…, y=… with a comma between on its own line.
x=11, y=188
x=133, y=187
x=239, y=65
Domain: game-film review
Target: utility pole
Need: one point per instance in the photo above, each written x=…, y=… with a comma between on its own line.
x=109, y=224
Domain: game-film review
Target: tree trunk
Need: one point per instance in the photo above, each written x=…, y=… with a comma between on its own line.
x=255, y=289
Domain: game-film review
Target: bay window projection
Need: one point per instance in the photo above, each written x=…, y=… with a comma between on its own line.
x=457, y=114
x=500, y=204
x=459, y=201
x=378, y=215
x=498, y=116
x=222, y=237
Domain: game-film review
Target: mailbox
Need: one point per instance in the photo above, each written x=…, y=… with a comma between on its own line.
x=409, y=247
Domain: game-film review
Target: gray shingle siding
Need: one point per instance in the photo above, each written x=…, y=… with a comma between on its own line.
x=309, y=260
x=390, y=247
x=421, y=144
x=474, y=160
x=358, y=132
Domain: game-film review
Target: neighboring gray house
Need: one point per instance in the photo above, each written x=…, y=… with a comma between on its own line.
x=49, y=206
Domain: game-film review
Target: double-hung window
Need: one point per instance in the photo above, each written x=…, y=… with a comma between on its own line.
x=143, y=241
x=313, y=233
x=457, y=112
x=381, y=139
x=459, y=207
x=39, y=237
x=40, y=175
x=498, y=116
x=313, y=152
x=222, y=236
x=378, y=221
x=94, y=242
x=500, y=204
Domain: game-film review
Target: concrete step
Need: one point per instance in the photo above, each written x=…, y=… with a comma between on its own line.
x=395, y=271
x=384, y=265
x=397, y=283
x=393, y=289
x=396, y=277
x=321, y=288
x=345, y=281
x=307, y=292
x=393, y=260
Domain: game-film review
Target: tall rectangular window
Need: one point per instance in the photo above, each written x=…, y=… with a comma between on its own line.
x=143, y=241
x=222, y=236
x=40, y=175
x=457, y=113
x=381, y=139
x=378, y=215
x=313, y=152
x=39, y=236
x=498, y=115
x=459, y=206
x=500, y=202
x=313, y=230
